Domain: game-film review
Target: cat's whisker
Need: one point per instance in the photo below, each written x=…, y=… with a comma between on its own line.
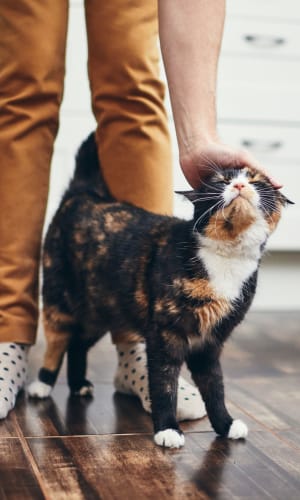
x=217, y=215
x=210, y=186
x=203, y=215
x=210, y=162
x=272, y=206
x=205, y=199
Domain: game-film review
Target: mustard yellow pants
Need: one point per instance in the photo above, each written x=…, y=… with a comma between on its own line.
x=127, y=100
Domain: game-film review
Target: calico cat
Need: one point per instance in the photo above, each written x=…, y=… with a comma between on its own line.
x=182, y=285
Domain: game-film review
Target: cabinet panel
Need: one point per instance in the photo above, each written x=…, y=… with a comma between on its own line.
x=269, y=9
x=256, y=37
x=272, y=144
x=249, y=102
x=238, y=70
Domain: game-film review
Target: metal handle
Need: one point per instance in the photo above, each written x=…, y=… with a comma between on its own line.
x=258, y=145
x=265, y=41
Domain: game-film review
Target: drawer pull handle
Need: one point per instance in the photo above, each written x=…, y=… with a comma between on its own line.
x=264, y=41
x=261, y=146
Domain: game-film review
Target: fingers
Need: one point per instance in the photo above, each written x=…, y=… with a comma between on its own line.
x=202, y=162
x=245, y=158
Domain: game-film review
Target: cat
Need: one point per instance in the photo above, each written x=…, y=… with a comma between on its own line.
x=182, y=285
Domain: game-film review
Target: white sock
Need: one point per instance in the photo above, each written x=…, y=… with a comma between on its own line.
x=13, y=373
x=132, y=378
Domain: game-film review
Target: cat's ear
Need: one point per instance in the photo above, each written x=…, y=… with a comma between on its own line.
x=285, y=201
x=191, y=195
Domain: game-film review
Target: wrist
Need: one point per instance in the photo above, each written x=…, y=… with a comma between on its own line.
x=191, y=145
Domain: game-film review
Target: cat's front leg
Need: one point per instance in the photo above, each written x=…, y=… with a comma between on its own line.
x=163, y=372
x=207, y=374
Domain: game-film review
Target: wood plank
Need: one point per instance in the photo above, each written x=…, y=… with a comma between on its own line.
x=113, y=467
x=7, y=428
x=292, y=437
x=265, y=344
x=17, y=480
x=274, y=402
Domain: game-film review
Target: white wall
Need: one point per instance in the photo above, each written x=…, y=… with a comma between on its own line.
x=280, y=276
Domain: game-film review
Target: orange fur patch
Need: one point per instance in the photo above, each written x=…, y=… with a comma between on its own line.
x=79, y=237
x=198, y=288
x=47, y=261
x=167, y=306
x=116, y=222
x=273, y=218
x=57, y=345
x=55, y=319
x=209, y=314
x=229, y=223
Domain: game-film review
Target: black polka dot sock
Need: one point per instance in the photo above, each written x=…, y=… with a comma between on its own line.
x=13, y=373
x=132, y=378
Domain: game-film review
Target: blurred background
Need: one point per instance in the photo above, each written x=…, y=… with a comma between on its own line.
x=258, y=108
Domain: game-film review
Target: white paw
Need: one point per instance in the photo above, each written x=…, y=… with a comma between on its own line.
x=238, y=430
x=169, y=438
x=38, y=389
x=85, y=390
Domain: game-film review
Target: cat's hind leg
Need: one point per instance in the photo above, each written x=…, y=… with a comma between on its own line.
x=59, y=328
x=163, y=371
x=207, y=374
x=77, y=365
x=58, y=321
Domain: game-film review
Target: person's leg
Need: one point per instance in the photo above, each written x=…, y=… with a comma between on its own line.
x=133, y=141
x=32, y=51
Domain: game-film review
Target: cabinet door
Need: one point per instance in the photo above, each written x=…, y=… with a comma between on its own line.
x=265, y=9
x=259, y=38
x=277, y=149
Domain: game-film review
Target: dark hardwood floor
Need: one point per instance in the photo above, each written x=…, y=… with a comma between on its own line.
x=69, y=448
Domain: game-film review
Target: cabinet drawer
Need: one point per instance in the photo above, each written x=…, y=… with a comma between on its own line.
x=256, y=103
x=268, y=143
x=256, y=37
x=259, y=71
x=280, y=9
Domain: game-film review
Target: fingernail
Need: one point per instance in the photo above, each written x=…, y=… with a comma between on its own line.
x=275, y=183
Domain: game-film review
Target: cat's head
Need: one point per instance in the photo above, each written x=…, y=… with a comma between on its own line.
x=231, y=200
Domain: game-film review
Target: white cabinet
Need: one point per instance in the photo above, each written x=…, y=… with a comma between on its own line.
x=259, y=95
x=259, y=98
x=269, y=10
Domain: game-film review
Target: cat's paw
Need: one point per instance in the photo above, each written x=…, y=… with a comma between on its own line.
x=238, y=430
x=86, y=390
x=169, y=438
x=38, y=389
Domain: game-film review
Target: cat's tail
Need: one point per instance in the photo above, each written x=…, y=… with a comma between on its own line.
x=88, y=175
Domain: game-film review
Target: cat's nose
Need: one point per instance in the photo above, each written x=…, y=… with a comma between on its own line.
x=239, y=185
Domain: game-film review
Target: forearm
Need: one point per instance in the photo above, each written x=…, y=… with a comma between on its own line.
x=190, y=36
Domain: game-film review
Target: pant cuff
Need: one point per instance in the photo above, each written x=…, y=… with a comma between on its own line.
x=17, y=331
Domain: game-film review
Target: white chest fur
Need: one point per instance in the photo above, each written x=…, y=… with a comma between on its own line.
x=229, y=264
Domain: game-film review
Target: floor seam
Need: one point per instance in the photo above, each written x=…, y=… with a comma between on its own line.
x=30, y=458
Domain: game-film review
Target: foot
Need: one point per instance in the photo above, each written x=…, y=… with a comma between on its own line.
x=86, y=389
x=13, y=374
x=132, y=378
x=169, y=438
x=238, y=430
x=38, y=389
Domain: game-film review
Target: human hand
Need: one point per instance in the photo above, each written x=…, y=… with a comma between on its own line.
x=199, y=162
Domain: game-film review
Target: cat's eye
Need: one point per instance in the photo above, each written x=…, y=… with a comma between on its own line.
x=222, y=181
x=253, y=181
